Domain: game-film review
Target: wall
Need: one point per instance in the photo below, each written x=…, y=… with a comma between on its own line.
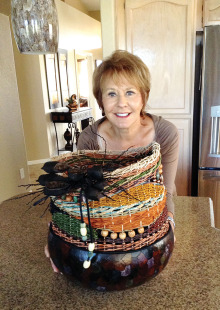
x=77, y=4
x=107, y=9
x=5, y=7
x=95, y=14
x=76, y=29
x=32, y=108
x=12, y=151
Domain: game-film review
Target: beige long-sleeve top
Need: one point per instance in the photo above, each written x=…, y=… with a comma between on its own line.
x=166, y=134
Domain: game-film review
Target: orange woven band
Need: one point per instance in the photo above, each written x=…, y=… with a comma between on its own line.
x=143, y=192
x=128, y=222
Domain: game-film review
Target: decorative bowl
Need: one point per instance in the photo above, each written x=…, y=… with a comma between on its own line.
x=111, y=270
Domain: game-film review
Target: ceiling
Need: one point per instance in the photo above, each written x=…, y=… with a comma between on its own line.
x=92, y=5
x=5, y=7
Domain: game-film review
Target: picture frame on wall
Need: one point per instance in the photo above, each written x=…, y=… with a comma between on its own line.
x=63, y=75
x=51, y=67
x=57, y=79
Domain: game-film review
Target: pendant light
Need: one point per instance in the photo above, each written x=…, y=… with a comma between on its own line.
x=35, y=26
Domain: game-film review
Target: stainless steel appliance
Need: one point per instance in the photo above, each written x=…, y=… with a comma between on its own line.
x=209, y=148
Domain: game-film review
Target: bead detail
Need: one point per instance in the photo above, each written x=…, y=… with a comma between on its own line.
x=86, y=264
x=83, y=231
x=131, y=234
x=114, y=235
x=104, y=233
x=141, y=230
x=91, y=247
x=69, y=198
x=122, y=235
x=84, y=238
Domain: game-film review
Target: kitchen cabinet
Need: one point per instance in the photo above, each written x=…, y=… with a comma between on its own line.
x=184, y=165
x=211, y=12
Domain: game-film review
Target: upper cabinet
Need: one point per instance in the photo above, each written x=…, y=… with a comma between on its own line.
x=162, y=34
x=211, y=12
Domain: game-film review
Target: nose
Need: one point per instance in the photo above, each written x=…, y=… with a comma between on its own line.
x=122, y=100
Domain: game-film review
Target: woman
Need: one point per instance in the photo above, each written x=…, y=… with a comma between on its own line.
x=121, y=86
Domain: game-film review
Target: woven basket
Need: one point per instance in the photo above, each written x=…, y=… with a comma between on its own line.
x=136, y=198
x=124, y=233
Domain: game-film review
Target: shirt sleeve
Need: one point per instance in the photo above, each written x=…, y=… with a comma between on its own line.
x=88, y=138
x=168, y=137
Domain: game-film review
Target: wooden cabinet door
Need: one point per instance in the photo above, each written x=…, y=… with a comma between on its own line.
x=162, y=34
x=184, y=164
x=211, y=12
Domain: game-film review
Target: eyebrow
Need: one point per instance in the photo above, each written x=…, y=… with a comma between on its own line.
x=128, y=88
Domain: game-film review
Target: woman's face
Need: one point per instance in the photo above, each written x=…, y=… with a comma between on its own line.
x=122, y=103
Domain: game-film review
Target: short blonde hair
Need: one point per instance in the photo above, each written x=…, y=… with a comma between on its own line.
x=122, y=64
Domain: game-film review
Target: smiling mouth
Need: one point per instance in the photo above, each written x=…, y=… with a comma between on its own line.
x=122, y=114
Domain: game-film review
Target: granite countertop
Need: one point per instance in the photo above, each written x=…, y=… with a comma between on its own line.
x=191, y=280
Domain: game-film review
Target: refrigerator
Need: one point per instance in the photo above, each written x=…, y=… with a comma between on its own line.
x=209, y=143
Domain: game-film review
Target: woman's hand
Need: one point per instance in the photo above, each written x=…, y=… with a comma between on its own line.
x=171, y=220
x=46, y=251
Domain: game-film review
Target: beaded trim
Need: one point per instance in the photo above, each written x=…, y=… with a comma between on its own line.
x=132, y=245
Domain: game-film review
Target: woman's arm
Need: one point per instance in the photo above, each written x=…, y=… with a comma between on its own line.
x=168, y=138
x=88, y=137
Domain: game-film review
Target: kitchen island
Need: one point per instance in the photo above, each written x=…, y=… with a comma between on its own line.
x=191, y=280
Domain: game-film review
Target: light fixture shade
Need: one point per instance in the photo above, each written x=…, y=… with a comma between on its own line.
x=35, y=26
